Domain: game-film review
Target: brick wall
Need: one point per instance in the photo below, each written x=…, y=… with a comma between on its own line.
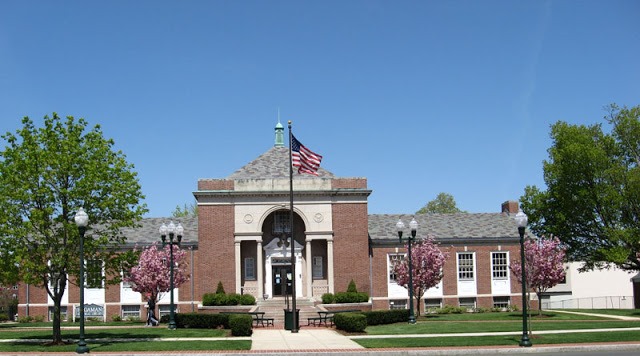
x=215, y=184
x=346, y=183
x=350, y=246
x=214, y=259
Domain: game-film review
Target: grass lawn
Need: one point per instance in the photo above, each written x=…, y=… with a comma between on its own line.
x=108, y=346
x=115, y=333
x=621, y=312
x=613, y=336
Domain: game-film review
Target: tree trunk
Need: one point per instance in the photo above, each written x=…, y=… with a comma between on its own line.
x=57, y=294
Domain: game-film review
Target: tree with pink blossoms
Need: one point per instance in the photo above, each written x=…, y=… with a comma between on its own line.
x=544, y=265
x=427, y=260
x=151, y=277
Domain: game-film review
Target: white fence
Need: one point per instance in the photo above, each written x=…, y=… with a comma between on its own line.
x=609, y=302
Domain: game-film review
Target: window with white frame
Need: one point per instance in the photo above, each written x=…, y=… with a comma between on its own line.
x=398, y=304
x=465, y=266
x=125, y=275
x=249, y=269
x=393, y=259
x=430, y=304
x=63, y=313
x=499, y=265
x=500, y=302
x=317, y=271
x=165, y=309
x=469, y=303
x=130, y=312
x=93, y=272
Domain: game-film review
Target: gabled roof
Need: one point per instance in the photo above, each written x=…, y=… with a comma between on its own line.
x=273, y=164
x=148, y=231
x=446, y=226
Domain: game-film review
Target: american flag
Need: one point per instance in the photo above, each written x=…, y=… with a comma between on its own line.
x=304, y=158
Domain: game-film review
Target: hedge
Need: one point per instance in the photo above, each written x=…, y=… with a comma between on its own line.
x=241, y=324
x=199, y=321
x=217, y=299
x=381, y=317
x=350, y=322
x=351, y=297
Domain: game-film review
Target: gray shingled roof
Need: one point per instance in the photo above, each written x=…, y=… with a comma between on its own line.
x=147, y=233
x=273, y=164
x=445, y=226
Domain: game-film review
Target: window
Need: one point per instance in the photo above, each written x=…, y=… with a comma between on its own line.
x=465, y=266
x=469, y=303
x=125, y=284
x=250, y=269
x=164, y=309
x=94, y=274
x=281, y=222
x=317, y=267
x=63, y=313
x=393, y=259
x=431, y=304
x=130, y=312
x=398, y=304
x=499, y=267
x=501, y=302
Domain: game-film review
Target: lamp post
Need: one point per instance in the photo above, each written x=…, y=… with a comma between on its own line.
x=177, y=231
x=81, y=219
x=413, y=225
x=521, y=219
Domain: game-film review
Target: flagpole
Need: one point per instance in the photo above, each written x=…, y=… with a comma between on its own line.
x=294, y=327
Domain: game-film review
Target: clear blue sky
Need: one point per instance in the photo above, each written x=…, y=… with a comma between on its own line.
x=420, y=97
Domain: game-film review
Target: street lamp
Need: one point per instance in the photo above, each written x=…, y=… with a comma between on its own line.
x=521, y=220
x=414, y=228
x=172, y=230
x=81, y=219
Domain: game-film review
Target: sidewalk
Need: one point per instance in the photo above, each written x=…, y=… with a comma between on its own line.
x=303, y=340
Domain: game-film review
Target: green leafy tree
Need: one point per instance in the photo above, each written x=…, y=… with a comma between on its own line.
x=444, y=203
x=185, y=211
x=46, y=174
x=592, y=200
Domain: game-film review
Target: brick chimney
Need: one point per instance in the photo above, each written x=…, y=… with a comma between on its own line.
x=510, y=207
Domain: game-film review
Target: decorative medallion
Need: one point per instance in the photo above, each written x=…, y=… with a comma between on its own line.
x=248, y=218
x=318, y=217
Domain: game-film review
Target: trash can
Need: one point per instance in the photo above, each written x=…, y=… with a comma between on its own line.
x=288, y=319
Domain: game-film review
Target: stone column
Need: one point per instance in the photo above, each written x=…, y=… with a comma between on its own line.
x=260, y=268
x=330, y=265
x=238, y=261
x=309, y=270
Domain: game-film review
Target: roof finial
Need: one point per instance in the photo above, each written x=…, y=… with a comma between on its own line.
x=279, y=132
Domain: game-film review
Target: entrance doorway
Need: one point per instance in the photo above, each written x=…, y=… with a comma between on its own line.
x=282, y=281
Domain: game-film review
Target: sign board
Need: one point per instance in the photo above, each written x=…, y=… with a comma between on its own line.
x=91, y=310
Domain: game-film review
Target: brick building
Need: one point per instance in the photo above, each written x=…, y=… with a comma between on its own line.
x=240, y=238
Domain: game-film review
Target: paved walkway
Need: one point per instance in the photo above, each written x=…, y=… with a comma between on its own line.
x=303, y=340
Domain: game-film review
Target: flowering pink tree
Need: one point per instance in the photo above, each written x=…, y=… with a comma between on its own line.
x=427, y=260
x=544, y=265
x=151, y=276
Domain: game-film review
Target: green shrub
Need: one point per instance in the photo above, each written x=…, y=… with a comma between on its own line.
x=38, y=318
x=25, y=319
x=352, y=287
x=449, y=309
x=3, y=317
x=220, y=288
x=350, y=297
x=210, y=299
x=350, y=322
x=328, y=298
x=241, y=324
x=381, y=317
x=200, y=321
x=247, y=299
x=116, y=317
x=232, y=299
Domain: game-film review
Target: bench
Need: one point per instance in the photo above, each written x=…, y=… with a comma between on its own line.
x=326, y=317
x=258, y=317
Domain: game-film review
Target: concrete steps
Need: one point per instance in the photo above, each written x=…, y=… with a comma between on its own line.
x=274, y=308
